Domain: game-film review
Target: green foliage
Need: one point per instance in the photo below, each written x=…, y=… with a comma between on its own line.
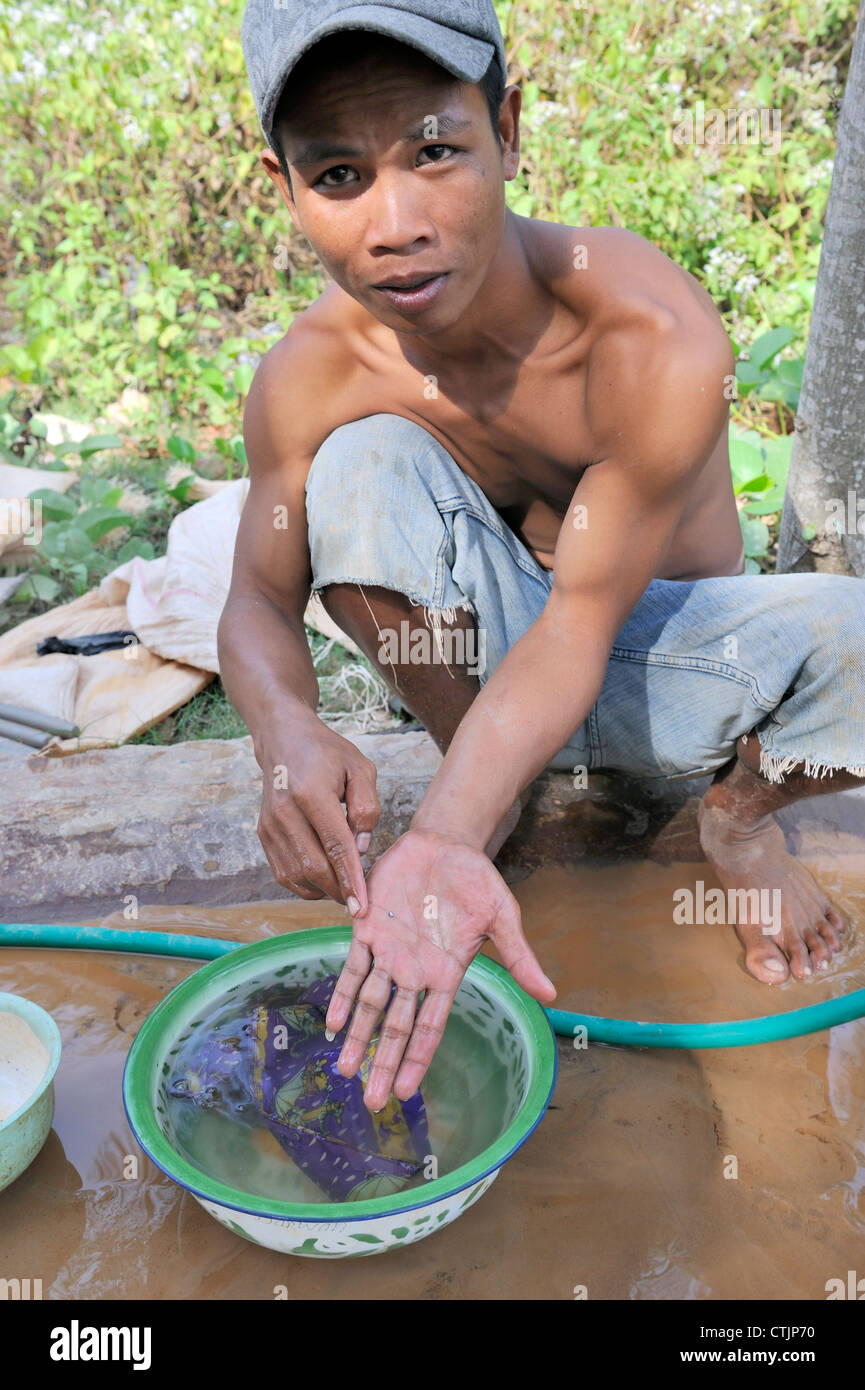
x=606, y=90
x=759, y=465
x=759, y=373
x=84, y=533
x=145, y=246
x=140, y=219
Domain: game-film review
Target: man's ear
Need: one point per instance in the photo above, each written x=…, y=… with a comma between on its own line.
x=509, y=130
x=273, y=169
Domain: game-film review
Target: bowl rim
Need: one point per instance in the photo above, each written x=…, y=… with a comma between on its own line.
x=26, y=1009
x=147, y=1132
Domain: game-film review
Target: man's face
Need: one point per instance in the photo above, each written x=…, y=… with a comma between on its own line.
x=397, y=174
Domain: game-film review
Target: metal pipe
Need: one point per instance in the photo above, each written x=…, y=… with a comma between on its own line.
x=35, y=719
x=21, y=733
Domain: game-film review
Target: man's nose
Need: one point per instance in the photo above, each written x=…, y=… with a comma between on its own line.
x=396, y=217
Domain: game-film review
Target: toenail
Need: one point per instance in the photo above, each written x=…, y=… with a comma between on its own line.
x=775, y=966
x=821, y=965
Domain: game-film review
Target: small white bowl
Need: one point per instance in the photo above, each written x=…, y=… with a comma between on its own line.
x=29, y=1057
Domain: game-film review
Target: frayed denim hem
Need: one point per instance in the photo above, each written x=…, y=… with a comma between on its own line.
x=775, y=766
x=434, y=616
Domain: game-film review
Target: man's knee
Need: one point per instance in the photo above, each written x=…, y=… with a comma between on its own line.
x=372, y=514
x=838, y=625
x=360, y=466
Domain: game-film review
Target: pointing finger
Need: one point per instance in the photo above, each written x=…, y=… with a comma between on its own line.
x=340, y=846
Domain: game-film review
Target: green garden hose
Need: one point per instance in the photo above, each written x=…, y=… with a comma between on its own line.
x=622, y=1031
x=145, y=943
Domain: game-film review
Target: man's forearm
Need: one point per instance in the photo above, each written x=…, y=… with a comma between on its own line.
x=528, y=710
x=265, y=665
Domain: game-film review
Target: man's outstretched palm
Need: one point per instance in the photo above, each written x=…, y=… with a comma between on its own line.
x=446, y=900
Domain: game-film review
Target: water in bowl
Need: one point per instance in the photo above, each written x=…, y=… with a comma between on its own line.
x=465, y=1094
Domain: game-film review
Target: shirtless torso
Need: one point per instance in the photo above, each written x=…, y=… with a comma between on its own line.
x=519, y=427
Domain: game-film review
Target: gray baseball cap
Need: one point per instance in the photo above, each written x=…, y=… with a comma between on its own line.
x=461, y=35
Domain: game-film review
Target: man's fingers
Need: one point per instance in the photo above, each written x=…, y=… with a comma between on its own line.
x=371, y=1000
x=351, y=977
x=395, y=1033
x=362, y=806
x=516, y=953
x=295, y=852
x=286, y=869
x=341, y=849
x=425, y=1037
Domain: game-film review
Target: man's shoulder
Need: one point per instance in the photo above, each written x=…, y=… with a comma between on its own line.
x=653, y=337
x=614, y=277
x=316, y=345
x=300, y=382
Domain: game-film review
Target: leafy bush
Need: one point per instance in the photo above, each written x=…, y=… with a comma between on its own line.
x=145, y=244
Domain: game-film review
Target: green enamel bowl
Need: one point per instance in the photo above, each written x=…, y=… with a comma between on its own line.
x=503, y=1022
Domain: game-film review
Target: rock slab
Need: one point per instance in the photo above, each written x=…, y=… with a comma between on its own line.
x=92, y=834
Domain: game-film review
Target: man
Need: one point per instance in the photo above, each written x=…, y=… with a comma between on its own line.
x=500, y=427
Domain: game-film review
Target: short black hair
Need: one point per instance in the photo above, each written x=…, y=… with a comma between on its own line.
x=492, y=84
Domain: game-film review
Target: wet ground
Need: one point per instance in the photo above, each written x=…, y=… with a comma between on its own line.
x=735, y=1173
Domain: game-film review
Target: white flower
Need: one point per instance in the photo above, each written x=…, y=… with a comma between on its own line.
x=746, y=284
x=132, y=131
x=33, y=65
x=814, y=120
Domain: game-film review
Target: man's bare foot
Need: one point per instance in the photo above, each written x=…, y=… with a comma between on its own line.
x=748, y=854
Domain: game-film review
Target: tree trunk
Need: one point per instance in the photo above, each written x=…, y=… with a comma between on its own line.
x=826, y=486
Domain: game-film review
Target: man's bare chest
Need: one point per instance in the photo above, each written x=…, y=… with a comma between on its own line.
x=521, y=436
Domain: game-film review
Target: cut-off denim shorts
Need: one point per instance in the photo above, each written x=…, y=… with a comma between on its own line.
x=697, y=663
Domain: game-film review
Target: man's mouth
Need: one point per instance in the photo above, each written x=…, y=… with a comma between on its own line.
x=415, y=293
x=406, y=284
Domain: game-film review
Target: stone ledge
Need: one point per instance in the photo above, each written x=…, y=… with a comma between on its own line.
x=177, y=824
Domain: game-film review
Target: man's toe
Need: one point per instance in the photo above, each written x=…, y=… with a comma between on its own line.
x=801, y=966
x=817, y=947
x=766, y=963
x=831, y=927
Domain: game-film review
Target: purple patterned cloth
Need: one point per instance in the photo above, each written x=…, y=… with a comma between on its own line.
x=281, y=1062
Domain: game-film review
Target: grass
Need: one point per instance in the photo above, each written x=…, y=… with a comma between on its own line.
x=209, y=714
x=350, y=689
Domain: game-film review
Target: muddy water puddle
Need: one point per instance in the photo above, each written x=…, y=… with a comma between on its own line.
x=735, y=1173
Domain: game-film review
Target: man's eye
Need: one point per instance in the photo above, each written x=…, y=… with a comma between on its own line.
x=346, y=168
x=426, y=149
x=337, y=169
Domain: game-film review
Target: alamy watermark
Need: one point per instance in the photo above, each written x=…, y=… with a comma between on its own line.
x=444, y=646
x=21, y=517
x=846, y=518
x=698, y=906
x=755, y=125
